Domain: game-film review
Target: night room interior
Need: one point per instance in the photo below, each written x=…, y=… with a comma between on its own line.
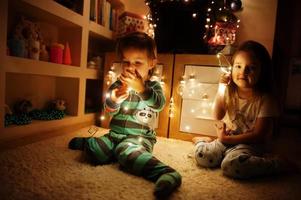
x=150, y=99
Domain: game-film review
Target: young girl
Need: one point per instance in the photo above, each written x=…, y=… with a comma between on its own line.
x=133, y=102
x=248, y=111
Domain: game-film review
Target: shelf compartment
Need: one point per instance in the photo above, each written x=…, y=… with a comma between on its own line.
x=29, y=66
x=40, y=90
x=93, y=101
x=53, y=29
x=109, y=11
x=12, y=133
x=60, y=14
x=97, y=54
x=75, y=6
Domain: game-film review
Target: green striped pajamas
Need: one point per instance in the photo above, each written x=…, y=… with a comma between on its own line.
x=132, y=137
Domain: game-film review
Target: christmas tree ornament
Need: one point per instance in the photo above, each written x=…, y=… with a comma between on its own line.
x=235, y=5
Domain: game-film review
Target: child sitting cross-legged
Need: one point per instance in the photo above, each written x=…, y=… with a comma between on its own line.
x=247, y=109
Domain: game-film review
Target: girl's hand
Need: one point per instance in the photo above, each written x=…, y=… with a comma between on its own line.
x=132, y=79
x=118, y=95
x=225, y=78
x=221, y=131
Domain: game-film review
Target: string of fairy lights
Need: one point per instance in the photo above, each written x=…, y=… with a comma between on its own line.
x=219, y=14
x=221, y=25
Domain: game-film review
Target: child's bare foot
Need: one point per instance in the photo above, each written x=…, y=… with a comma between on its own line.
x=202, y=138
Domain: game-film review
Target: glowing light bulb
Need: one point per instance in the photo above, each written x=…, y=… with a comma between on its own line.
x=224, y=64
x=102, y=117
x=221, y=89
x=171, y=108
x=110, y=76
x=181, y=87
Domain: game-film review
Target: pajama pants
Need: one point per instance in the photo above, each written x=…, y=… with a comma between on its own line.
x=134, y=154
x=237, y=161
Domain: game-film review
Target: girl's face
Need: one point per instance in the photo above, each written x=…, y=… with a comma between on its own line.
x=135, y=59
x=246, y=71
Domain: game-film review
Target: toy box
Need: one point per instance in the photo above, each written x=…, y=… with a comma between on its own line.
x=130, y=22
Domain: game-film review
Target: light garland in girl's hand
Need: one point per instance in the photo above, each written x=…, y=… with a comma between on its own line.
x=226, y=67
x=171, y=108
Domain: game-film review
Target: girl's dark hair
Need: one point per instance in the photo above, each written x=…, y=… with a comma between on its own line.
x=137, y=40
x=260, y=54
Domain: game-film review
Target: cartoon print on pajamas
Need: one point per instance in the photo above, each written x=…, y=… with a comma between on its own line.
x=147, y=117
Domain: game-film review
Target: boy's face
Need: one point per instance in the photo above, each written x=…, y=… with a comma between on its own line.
x=136, y=59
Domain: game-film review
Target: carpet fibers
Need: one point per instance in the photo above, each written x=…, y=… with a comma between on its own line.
x=49, y=170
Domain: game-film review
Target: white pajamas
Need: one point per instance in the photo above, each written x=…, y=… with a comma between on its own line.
x=236, y=161
x=240, y=160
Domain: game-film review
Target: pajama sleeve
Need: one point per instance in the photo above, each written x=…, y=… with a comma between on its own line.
x=111, y=107
x=153, y=96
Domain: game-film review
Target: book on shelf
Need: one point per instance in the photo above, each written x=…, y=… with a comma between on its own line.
x=96, y=10
x=102, y=12
x=92, y=10
x=106, y=14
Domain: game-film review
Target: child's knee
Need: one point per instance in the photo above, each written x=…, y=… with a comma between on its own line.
x=236, y=167
x=97, y=151
x=127, y=154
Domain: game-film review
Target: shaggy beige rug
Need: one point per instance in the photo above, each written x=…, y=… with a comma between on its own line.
x=49, y=170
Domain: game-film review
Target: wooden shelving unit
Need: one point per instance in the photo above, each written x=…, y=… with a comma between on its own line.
x=42, y=81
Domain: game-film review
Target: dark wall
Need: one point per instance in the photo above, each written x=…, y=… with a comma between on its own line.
x=287, y=45
x=177, y=31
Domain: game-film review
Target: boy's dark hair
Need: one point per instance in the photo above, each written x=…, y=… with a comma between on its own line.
x=137, y=40
x=259, y=53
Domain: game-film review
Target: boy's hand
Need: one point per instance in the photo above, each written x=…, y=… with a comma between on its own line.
x=132, y=79
x=118, y=95
x=225, y=78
